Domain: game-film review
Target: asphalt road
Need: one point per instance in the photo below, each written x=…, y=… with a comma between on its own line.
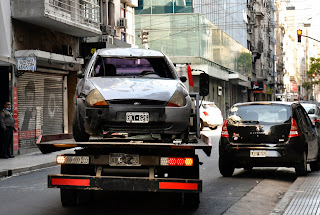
x=247, y=192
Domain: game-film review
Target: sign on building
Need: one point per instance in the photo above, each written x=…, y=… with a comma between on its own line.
x=27, y=64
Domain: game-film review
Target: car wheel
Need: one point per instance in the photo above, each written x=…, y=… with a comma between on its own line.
x=201, y=125
x=213, y=128
x=301, y=167
x=226, y=166
x=315, y=165
x=79, y=133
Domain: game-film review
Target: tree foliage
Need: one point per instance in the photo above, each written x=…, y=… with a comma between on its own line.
x=314, y=69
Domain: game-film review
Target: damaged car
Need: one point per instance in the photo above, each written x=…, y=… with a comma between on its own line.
x=133, y=91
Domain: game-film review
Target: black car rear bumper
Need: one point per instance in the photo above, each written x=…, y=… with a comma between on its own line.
x=284, y=154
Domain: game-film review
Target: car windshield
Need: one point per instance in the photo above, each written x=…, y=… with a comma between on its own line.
x=155, y=67
x=260, y=113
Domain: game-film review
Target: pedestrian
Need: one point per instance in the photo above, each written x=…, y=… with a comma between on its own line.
x=7, y=128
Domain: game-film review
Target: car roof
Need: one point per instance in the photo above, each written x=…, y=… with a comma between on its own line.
x=265, y=103
x=129, y=52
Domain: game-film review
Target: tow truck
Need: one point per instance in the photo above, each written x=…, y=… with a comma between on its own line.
x=140, y=163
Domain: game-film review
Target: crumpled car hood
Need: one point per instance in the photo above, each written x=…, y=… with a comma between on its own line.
x=135, y=88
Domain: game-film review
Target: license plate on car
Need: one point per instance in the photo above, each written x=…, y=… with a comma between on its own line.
x=137, y=117
x=258, y=153
x=120, y=159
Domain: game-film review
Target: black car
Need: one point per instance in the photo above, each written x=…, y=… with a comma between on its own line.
x=268, y=134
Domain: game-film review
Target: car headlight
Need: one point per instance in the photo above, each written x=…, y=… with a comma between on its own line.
x=95, y=99
x=177, y=100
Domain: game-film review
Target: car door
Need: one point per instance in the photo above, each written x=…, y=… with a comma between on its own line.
x=309, y=131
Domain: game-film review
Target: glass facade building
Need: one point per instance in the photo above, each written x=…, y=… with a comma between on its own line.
x=192, y=35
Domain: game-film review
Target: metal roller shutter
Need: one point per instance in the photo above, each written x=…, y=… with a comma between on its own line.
x=40, y=98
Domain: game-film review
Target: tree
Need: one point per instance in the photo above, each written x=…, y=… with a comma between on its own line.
x=312, y=74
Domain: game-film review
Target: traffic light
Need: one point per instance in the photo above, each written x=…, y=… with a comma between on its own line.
x=299, y=33
x=144, y=36
x=204, y=84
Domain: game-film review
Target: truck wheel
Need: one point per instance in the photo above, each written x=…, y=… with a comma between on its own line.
x=226, y=166
x=68, y=197
x=79, y=133
x=301, y=167
x=191, y=200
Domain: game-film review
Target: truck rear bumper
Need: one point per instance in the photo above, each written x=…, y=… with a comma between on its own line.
x=108, y=183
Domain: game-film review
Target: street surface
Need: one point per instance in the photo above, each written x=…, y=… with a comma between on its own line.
x=247, y=192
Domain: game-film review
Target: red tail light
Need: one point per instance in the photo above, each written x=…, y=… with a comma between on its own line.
x=224, y=131
x=205, y=113
x=294, y=131
x=315, y=120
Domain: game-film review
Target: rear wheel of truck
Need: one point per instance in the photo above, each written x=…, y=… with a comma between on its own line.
x=79, y=133
x=68, y=197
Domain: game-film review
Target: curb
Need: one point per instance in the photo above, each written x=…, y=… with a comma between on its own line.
x=11, y=172
x=285, y=201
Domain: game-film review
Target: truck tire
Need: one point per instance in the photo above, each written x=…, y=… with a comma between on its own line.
x=79, y=133
x=191, y=200
x=226, y=166
x=301, y=167
x=68, y=197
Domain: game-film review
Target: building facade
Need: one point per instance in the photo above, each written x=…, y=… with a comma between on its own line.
x=191, y=39
x=42, y=51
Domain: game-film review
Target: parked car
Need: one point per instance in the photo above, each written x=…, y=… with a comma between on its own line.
x=134, y=91
x=210, y=115
x=268, y=134
x=313, y=111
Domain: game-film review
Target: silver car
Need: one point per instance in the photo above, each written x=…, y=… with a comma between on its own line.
x=134, y=91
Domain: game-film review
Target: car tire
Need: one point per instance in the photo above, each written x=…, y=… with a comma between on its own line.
x=315, y=165
x=79, y=133
x=226, y=166
x=201, y=125
x=301, y=167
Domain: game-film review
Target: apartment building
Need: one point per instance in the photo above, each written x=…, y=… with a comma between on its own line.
x=42, y=50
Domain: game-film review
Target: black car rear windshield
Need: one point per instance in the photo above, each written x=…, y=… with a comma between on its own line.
x=260, y=113
x=152, y=67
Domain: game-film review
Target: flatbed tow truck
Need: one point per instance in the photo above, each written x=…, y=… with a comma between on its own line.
x=138, y=163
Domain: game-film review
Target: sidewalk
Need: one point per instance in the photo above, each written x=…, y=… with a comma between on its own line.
x=28, y=162
x=303, y=197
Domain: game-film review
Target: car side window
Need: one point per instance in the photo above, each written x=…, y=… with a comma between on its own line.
x=304, y=117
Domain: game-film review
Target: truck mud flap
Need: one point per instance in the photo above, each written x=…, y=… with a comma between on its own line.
x=108, y=183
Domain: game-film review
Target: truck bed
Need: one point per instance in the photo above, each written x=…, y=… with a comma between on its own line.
x=193, y=143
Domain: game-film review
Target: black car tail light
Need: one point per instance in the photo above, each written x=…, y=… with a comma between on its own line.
x=315, y=120
x=224, y=131
x=294, y=131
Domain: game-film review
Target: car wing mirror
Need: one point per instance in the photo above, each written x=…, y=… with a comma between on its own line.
x=183, y=79
x=80, y=74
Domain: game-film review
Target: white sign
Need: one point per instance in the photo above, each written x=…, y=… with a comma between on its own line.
x=27, y=64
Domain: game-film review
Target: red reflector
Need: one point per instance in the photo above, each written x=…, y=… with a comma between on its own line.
x=177, y=186
x=205, y=113
x=70, y=182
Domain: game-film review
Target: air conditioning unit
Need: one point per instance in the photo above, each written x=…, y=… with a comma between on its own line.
x=122, y=23
x=107, y=29
x=107, y=39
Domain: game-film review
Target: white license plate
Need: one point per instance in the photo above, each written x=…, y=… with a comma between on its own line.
x=119, y=159
x=258, y=153
x=137, y=117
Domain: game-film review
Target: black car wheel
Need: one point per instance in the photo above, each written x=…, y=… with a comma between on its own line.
x=79, y=133
x=315, y=165
x=226, y=166
x=201, y=125
x=301, y=167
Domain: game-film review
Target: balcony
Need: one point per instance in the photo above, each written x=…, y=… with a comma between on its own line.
x=73, y=17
